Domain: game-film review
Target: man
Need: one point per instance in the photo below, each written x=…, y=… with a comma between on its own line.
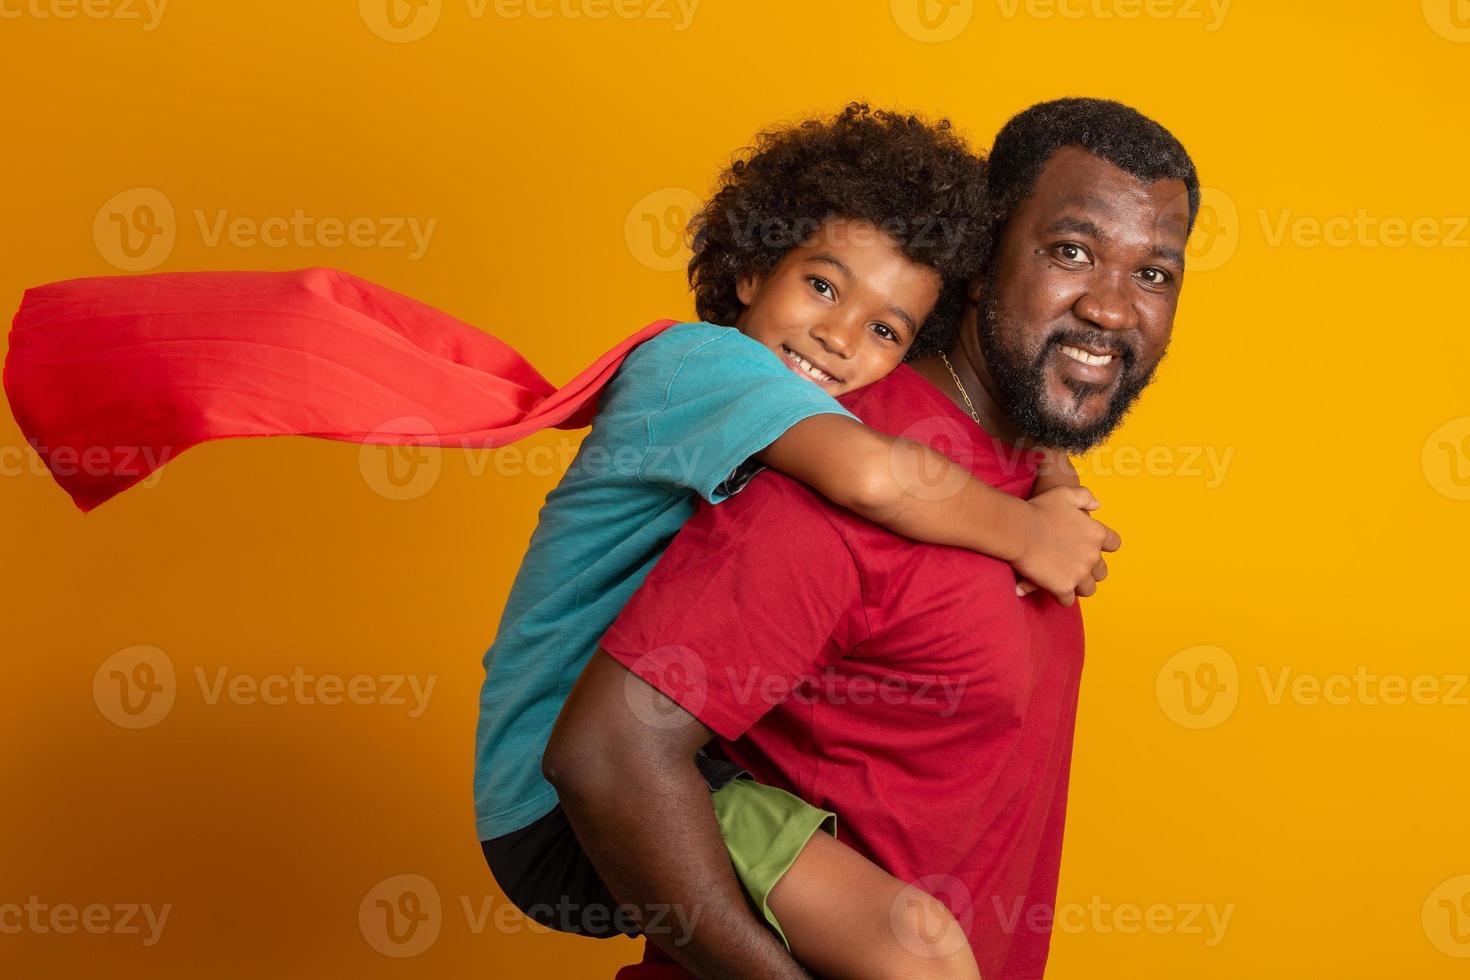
x=903, y=686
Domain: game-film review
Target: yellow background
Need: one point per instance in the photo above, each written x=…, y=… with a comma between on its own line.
x=547, y=149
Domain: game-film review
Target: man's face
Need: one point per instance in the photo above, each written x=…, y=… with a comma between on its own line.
x=1079, y=305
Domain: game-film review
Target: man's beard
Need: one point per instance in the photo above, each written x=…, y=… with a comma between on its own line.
x=1021, y=380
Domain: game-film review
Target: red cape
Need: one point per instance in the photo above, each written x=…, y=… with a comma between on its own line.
x=111, y=377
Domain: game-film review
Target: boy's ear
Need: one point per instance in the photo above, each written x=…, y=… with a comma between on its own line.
x=974, y=289
x=747, y=286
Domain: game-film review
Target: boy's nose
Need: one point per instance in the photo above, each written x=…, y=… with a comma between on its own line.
x=838, y=337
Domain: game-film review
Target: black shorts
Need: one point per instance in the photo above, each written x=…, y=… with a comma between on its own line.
x=545, y=873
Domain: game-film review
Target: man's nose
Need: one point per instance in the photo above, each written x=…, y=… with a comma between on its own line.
x=1107, y=304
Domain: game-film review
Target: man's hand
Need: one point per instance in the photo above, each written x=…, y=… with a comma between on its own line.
x=1065, y=547
x=622, y=761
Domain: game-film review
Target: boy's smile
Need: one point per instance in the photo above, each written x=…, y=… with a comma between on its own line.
x=842, y=308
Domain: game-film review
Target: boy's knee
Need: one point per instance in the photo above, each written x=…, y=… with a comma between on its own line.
x=931, y=942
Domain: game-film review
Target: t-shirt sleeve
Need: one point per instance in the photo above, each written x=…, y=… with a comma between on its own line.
x=728, y=398
x=752, y=598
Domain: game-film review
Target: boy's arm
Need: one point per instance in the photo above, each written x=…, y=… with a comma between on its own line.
x=644, y=815
x=922, y=494
x=1054, y=470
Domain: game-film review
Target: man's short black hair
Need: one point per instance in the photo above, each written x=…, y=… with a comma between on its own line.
x=1123, y=136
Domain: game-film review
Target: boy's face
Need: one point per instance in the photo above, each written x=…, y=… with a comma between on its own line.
x=842, y=308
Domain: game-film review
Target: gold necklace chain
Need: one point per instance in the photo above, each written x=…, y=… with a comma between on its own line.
x=963, y=393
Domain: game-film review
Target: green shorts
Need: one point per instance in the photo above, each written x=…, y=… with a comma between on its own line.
x=765, y=828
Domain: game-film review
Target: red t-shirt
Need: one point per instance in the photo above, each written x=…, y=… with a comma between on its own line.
x=903, y=686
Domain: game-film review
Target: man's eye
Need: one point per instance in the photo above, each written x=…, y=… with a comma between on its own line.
x=822, y=286
x=1071, y=252
x=1155, y=276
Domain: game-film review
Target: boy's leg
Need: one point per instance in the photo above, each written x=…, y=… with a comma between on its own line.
x=545, y=873
x=846, y=918
x=841, y=915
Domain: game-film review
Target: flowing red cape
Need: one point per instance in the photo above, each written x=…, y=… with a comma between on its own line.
x=111, y=377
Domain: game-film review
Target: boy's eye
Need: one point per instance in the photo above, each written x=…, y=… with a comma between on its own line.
x=885, y=331
x=822, y=286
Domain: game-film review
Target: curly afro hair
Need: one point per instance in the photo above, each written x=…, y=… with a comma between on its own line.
x=915, y=179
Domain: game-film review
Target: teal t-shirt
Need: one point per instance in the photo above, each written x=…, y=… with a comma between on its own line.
x=683, y=415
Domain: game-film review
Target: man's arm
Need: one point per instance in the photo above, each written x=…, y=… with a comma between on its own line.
x=622, y=760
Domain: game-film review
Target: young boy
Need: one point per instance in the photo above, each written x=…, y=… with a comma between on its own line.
x=815, y=265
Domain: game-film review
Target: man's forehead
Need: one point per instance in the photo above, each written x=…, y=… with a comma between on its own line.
x=1074, y=181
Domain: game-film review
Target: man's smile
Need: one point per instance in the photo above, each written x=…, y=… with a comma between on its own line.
x=1088, y=364
x=1077, y=354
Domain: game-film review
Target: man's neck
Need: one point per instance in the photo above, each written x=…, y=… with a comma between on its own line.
x=974, y=380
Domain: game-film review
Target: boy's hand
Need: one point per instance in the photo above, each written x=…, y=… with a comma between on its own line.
x=1065, y=556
